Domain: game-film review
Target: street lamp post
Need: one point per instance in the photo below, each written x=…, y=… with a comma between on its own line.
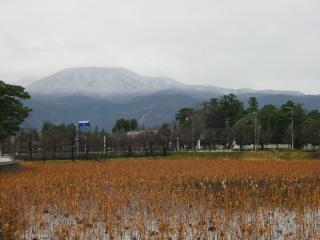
x=292, y=135
x=292, y=122
x=255, y=130
x=193, y=130
x=258, y=140
x=193, y=137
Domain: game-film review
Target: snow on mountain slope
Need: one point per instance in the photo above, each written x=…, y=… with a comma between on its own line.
x=111, y=82
x=100, y=82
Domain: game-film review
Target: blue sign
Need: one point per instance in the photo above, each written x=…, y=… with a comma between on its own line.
x=84, y=125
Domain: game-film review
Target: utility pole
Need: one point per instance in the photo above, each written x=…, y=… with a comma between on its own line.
x=292, y=135
x=255, y=131
x=192, y=134
x=258, y=140
x=292, y=125
x=193, y=140
x=104, y=145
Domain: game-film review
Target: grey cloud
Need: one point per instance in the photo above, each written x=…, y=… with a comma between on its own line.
x=227, y=43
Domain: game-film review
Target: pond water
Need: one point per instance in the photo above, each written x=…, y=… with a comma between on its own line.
x=263, y=223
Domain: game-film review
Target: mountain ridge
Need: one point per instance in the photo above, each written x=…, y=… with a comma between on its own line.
x=154, y=103
x=108, y=82
x=98, y=81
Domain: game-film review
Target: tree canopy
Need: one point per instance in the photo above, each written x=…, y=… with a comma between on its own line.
x=12, y=110
x=225, y=119
x=125, y=125
x=184, y=115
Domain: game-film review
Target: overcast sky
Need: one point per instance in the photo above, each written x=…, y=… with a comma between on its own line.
x=261, y=44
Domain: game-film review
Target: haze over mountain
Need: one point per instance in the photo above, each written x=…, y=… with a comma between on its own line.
x=103, y=95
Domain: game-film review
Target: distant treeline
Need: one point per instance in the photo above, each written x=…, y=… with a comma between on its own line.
x=219, y=123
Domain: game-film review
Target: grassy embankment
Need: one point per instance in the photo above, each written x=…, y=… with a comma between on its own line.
x=263, y=155
x=248, y=155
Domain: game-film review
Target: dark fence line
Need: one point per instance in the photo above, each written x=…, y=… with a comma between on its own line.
x=88, y=156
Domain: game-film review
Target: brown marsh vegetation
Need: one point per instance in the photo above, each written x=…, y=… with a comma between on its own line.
x=191, y=198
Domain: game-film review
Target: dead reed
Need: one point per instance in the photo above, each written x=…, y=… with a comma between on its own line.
x=162, y=199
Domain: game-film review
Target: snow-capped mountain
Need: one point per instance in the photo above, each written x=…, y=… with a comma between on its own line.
x=103, y=95
x=100, y=82
x=111, y=82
